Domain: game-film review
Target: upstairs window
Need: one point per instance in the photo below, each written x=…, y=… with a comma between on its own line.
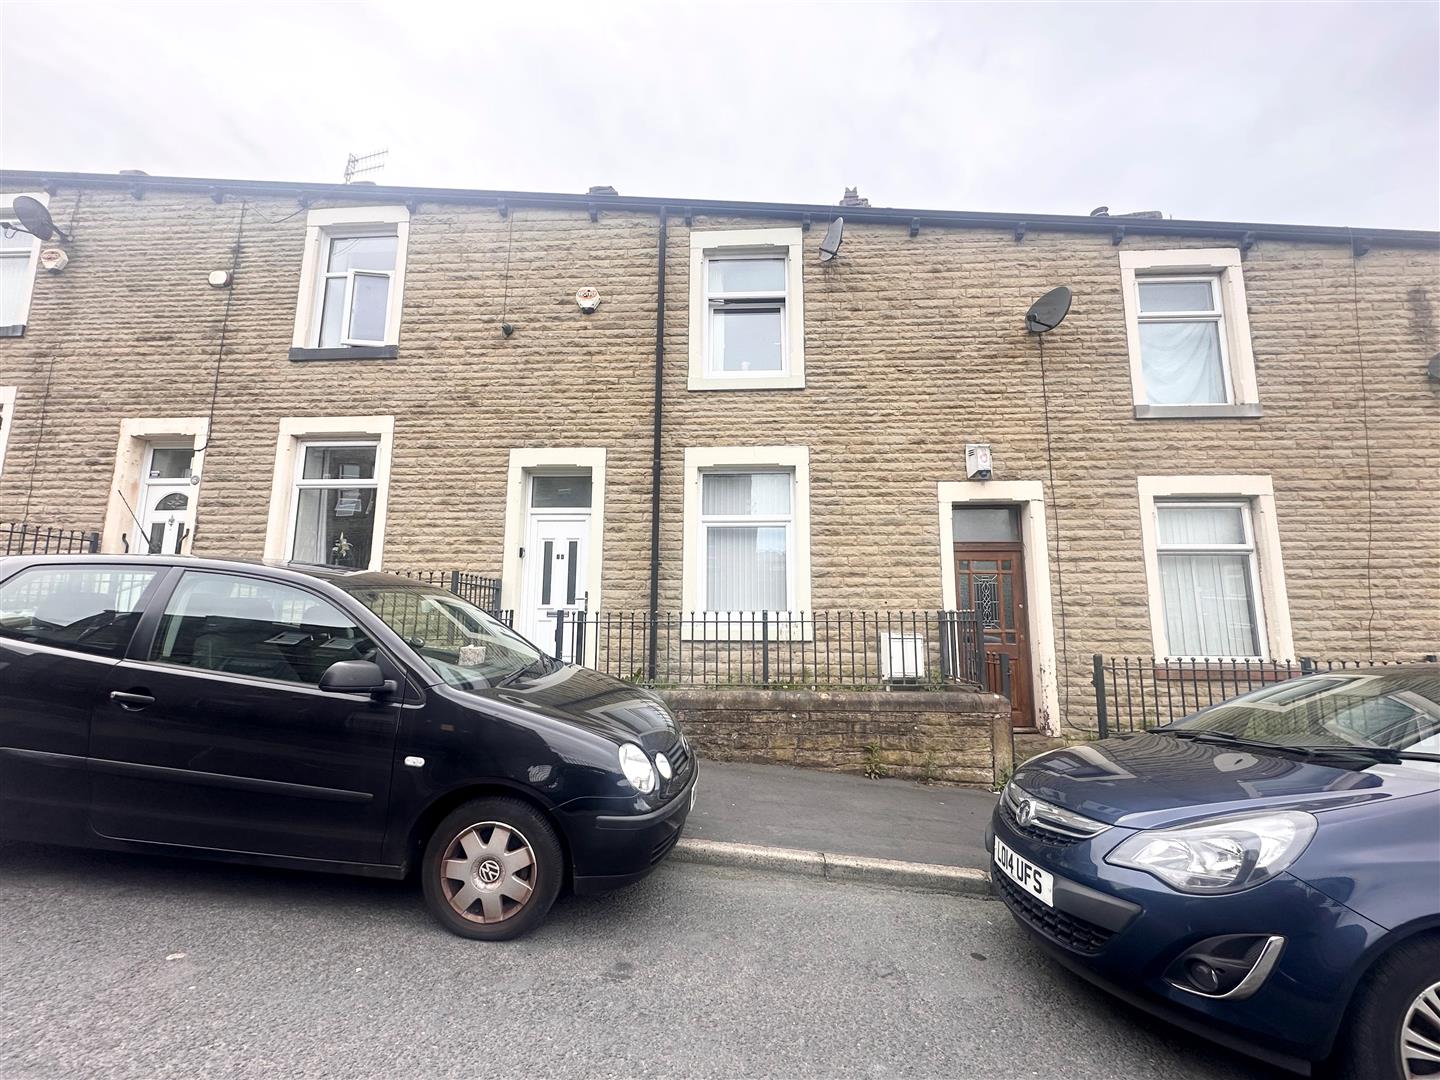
x=1182, y=341
x=351, y=284
x=746, y=310
x=1188, y=333
x=746, y=300
x=355, y=299
x=19, y=255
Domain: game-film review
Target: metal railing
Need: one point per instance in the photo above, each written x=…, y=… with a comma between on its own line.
x=22, y=538
x=480, y=590
x=775, y=650
x=1135, y=692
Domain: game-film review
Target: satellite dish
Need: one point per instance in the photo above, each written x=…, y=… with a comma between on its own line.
x=1049, y=311
x=830, y=246
x=35, y=218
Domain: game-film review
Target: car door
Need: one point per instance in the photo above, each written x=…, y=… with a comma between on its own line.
x=63, y=629
x=215, y=734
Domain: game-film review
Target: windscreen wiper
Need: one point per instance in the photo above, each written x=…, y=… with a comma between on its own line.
x=1232, y=740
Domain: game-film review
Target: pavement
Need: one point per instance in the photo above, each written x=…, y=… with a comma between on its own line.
x=118, y=966
x=836, y=824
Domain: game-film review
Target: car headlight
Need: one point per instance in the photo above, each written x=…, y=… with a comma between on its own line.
x=1222, y=856
x=637, y=768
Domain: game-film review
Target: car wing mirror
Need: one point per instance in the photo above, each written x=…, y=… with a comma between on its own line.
x=357, y=677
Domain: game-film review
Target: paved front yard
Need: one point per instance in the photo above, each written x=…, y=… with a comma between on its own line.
x=131, y=967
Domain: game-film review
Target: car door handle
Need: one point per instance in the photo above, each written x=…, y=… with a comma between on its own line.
x=130, y=701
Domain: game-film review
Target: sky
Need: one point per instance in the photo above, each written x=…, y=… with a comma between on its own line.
x=1287, y=112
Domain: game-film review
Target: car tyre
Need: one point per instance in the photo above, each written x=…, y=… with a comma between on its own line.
x=492, y=869
x=1401, y=991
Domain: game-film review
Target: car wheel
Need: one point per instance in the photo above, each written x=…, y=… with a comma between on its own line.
x=1394, y=1028
x=492, y=869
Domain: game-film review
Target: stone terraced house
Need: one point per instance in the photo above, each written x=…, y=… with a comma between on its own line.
x=679, y=415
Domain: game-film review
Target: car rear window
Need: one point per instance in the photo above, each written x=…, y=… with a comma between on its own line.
x=90, y=609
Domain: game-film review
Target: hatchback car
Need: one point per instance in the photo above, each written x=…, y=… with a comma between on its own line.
x=1266, y=871
x=328, y=720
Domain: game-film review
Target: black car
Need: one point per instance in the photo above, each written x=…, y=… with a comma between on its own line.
x=323, y=719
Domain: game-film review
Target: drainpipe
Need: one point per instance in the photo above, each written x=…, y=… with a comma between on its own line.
x=655, y=451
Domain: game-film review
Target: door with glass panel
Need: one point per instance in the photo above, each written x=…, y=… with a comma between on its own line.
x=556, y=558
x=166, y=500
x=990, y=580
x=333, y=505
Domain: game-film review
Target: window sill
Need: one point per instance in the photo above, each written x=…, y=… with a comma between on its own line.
x=347, y=352
x=761, y=382
x=18, y=330
x=1197, y=412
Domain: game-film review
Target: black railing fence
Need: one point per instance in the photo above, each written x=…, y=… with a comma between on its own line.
x=1136, y=692
x=777, y=650
x=21, y=538
x=482, y=591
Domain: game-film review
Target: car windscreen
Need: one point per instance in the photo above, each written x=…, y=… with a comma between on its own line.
x=463, y=645
x=1398, y=711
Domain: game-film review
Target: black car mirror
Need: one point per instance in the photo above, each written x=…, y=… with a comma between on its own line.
x=356, y=677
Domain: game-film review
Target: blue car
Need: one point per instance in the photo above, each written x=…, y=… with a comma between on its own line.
x=1265, y=872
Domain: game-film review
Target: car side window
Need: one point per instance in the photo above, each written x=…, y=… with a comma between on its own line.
x=263, y=629
x=87, y=608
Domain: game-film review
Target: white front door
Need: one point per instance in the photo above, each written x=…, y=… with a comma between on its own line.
x=555, y=578
x=167, y=500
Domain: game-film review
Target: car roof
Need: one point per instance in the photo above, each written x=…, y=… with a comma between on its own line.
x=335, y=575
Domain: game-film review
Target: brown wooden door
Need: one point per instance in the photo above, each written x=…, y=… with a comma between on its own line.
x=990, y=578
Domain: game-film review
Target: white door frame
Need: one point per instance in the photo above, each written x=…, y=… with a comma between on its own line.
x=127, y=483
x=540, y=633
x=150, y=489
x=524, y=462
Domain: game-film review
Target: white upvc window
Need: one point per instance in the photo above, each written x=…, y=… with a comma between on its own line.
x=747, y=526
x=1212, y=551
x=328, y=497
x=1188, y=333
x=352, y=278
x=746, y=309
x=1210, y=579
x=747, y=540
x=19, y=256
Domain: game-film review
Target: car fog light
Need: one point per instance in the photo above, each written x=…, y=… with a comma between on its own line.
x=1203, y=976
x=662, y=766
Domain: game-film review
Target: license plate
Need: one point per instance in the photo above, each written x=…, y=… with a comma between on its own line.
x=1038, y=883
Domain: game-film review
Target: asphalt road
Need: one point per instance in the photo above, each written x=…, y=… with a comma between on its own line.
x=119, y=966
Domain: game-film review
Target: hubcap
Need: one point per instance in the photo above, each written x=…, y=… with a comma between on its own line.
x=1420, y=1036
x=488, y=872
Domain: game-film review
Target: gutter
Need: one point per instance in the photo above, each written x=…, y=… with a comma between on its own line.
x=1117, y=228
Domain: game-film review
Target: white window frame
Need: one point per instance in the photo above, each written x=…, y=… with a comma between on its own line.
x=7, y=216
x=298, y=432
x=299, y=482
x=323, y=226
x=793, y=623
x=706, y=245
x=7, y=420
x=127, y=485
x=1256, y=494
x=1222, y=266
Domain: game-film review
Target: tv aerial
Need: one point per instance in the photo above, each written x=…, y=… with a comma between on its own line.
x=359, y=164
x=34, y=219
x=830, y=246
x=1049, y=311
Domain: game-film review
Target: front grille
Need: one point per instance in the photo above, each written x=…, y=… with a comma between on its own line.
x=679, y=757
x=1034, y=832
x=1077, y=935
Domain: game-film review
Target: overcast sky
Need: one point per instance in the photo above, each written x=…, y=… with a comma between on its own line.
x=1286, y=112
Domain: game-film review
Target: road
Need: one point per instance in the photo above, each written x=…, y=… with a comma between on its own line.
x=123, y=966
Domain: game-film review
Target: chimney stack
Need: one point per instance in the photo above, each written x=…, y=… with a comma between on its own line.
x=852, y=198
